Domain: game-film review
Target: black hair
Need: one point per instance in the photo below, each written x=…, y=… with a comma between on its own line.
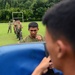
x=60, y=20
x=33, y=24
x=16, y=19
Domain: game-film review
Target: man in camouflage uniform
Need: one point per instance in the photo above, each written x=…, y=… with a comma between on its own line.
x=10, y=27
x=18, y=29
x=33, y=37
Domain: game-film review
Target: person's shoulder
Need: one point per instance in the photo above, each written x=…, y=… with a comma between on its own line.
x=24, y=39
x=27, y=37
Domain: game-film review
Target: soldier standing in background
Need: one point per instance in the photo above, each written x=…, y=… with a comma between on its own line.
x=10, y=27
x=17, y=28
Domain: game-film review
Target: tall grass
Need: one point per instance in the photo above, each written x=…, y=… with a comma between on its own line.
x=10, y=38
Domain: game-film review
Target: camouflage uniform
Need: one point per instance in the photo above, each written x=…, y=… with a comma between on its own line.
x=10, y=27
x=19, y=31
x=29, y=39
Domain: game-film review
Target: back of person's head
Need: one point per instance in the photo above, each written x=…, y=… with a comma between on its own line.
x=16, y=19
x=60, y=21
x=33, y=25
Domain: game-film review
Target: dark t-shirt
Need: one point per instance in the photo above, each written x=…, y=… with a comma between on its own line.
x=51, y=72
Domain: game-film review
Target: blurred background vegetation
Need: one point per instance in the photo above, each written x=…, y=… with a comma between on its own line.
x=33, y=10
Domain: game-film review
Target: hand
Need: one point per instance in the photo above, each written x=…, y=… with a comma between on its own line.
x=38, y=37
x=43, y=66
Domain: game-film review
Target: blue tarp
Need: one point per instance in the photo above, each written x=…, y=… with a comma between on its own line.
x=21, y=59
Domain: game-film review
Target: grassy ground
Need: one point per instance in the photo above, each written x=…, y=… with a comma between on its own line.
x=10, y=38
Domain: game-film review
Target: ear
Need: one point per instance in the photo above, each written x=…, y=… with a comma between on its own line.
x=61, y=49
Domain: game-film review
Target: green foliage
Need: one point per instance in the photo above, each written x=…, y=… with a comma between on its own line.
x=27, y=4
x=7, y=5
x=32, y=9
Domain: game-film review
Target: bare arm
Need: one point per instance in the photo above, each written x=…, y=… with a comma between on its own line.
x=42, y=67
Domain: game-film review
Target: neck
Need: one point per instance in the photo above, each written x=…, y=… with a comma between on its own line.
x=32, y=36
x=69, y=68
